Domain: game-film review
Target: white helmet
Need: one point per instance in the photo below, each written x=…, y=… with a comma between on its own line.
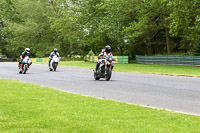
x=108, y=49
x=55, y=50
x=27, y=50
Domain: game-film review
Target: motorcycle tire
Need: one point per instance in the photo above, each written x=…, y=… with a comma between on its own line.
x=54, y=66
x=25, y=69
x=20, y=71
x=108, y=74
x=95, y=76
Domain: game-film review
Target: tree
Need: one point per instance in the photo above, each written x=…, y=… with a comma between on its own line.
x=185, y=23
x=130, y=27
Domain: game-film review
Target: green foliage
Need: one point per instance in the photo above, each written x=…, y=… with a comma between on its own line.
x=75, y=27
x=91, y=53
x=185, y=22
x=197, y=51
x=87, y=57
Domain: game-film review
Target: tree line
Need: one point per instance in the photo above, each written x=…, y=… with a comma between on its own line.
x=75, y=27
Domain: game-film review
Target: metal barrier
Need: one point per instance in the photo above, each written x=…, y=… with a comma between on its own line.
x=172, y=60
x=35, y=60
x=8, y=60
x=38, y=59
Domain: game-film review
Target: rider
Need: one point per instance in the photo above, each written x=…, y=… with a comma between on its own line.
x=104, y=53
x=55, y=52
x=24, y=54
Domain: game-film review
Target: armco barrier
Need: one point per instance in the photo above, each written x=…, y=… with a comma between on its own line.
x=122, y=59
x=32, y=59
x=8, y=60
x=172, y=60
x=39, y=60
x=119, y=59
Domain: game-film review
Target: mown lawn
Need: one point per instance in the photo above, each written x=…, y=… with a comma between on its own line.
x=27, y=107
x=143, y=68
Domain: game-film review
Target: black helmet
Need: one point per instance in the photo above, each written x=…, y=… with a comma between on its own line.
x=108, y=48
x=55, y=50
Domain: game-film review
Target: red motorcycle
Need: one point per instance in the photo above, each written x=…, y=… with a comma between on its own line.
x=24, y=65
x=105, y=68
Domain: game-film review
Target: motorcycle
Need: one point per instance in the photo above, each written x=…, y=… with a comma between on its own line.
x=105, y=68
x=24, y=66
x=54, y=63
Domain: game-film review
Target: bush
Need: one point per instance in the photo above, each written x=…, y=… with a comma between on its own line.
x=91, y=53
x=87, y=57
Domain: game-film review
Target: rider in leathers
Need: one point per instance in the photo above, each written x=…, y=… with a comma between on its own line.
x=104, y=53
x=24, y=54
x=55, y=52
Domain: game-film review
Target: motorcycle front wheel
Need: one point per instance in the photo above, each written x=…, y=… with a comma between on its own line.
x=25, y=69
x=95, y=76
x=54, y=66
x=108, y=74
x=20, y=71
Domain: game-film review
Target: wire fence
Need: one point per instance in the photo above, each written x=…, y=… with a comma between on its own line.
x=8, y=60
x=171, y=60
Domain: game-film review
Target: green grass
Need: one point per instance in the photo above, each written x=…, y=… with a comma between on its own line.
x=159, y=69
x=27, y=107
x=81, y=64
x=142, y=68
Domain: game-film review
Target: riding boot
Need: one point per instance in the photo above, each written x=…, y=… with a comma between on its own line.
x=49, y=62
x=97, y=66
x=112, y=67
x=22, y=66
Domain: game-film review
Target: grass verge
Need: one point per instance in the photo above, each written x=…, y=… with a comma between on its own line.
x=143, y=68
x=140, y=68
x=27, y=107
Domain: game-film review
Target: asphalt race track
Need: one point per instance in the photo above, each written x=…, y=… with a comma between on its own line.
x=176, y=93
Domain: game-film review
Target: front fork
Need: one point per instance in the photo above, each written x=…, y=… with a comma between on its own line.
x=51, y=64
x=106, y=66
x=109, y=66
x=21, y=66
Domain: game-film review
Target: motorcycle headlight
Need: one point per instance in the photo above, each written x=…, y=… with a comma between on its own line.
x=110, y=60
